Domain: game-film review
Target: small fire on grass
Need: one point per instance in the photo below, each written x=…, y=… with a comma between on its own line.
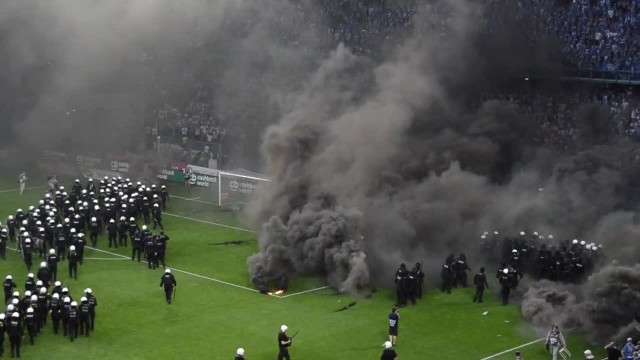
x=279, y=292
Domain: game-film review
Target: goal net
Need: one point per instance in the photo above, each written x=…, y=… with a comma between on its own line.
x=236, y=190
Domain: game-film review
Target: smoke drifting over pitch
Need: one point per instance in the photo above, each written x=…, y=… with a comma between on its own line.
x=377, y=163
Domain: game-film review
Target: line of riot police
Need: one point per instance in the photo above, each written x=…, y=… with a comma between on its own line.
x=409, y=284
x=57, y=226
x=542, y=257
x=29, y=314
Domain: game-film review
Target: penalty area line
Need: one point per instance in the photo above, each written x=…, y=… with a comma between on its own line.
x=29, y=188
x=512, y=349
x=210, y=223
x=183, y=271
x=303, y=292
x=195, y=199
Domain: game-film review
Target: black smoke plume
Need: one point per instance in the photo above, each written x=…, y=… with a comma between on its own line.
x=404, y=159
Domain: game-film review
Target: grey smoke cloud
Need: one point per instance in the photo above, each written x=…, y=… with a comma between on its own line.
x=114, y=62
x=405, y=142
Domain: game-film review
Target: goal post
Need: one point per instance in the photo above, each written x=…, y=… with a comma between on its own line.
x=236, y=190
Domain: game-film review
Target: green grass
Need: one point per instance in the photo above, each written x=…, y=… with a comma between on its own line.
x=209, y=320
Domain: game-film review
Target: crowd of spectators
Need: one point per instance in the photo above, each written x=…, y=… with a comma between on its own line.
x=560, y=114
x=595, y=34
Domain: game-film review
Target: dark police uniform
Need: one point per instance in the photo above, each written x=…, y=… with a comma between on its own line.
x=15, y=335
x=85, y=318
x=73, y=322
x=283, y=349
x=93, y=304
x=480, y=282
x=169, y=282
x=73, y=264
x=388, y=354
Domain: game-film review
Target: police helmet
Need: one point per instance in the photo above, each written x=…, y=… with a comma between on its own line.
x=283, y=328
x=72, y=248
x=39, y=283
x=43, y=290
x=27, y=294
x=10, y=307
x=15, y=315
x=88, y=290
x=240, y=352
x=57, y=283
x=505, y=271
x=387, y=345
x=67, y=299
x=43, y=264
x=83, y=299
x=29, y=310
x=167, y=271
x=16, y=294
x=56, y=296
x=9, y=277
x=34, y=297
x=112, y=221
x=144, y=227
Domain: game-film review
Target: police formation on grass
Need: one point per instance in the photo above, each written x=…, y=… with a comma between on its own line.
x=53, y=232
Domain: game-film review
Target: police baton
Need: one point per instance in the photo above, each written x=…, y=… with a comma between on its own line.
x=174, y=292
x=294, y=335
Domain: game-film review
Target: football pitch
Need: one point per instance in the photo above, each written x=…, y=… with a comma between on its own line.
x=216, y=310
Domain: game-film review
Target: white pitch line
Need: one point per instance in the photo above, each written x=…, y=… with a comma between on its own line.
x=211, y=223
x=184, y=271
x=29, y=188
x=195, y=199
x=512, y=349
x=303, y=292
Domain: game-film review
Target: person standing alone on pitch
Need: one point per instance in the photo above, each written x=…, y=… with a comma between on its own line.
x=555, y=342
x=283, y=343
x=388, y=353
x=22, y=181
x=169, y=282
x=394, y=324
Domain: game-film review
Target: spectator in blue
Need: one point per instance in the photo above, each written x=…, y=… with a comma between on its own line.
x=627, y=350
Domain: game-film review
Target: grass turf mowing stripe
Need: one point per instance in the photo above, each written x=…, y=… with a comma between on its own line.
x=183, y=271
x=210, y=223
x=512, y=349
